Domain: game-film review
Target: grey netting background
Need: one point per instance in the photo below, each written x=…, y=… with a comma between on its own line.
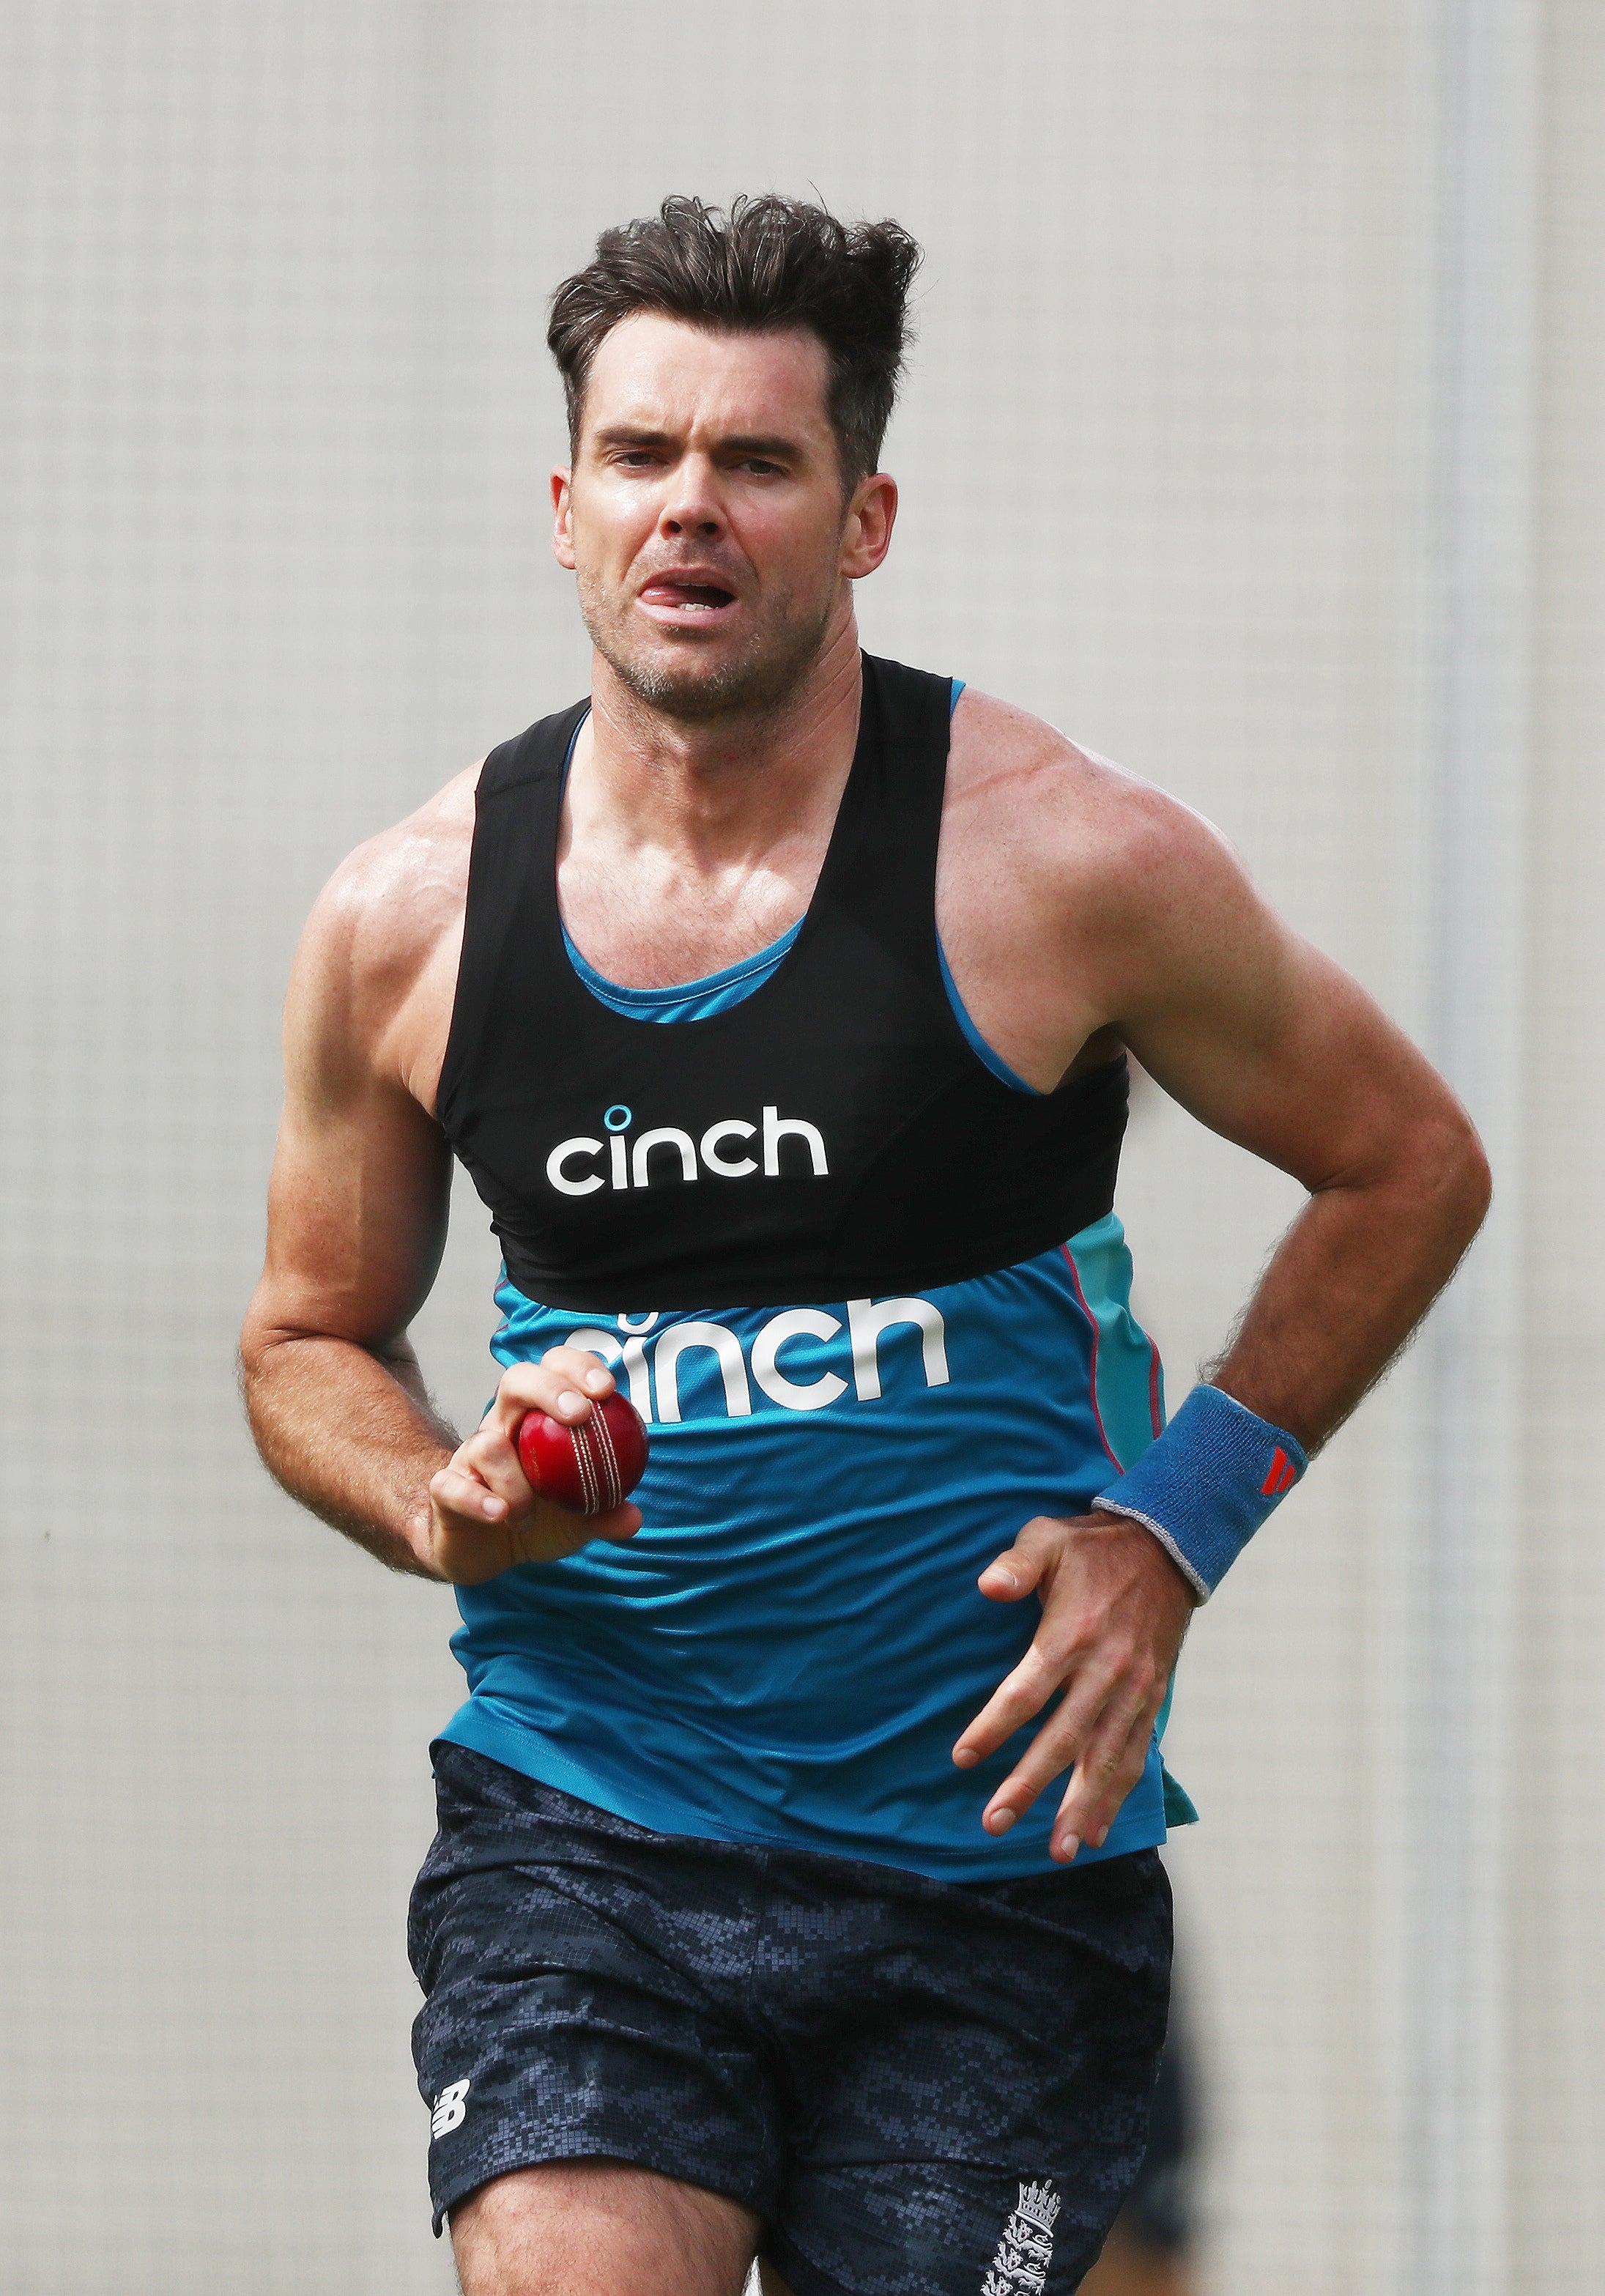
x=1253, y=436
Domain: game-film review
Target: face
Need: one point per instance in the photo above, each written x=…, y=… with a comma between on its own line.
x=705, y=517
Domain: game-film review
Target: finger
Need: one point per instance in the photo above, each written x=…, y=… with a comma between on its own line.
x=583, y=1378
x=564, y=1383
x=1051, y=1752
x=456, y=1490
x=1017, y=1700
x=1058, y=1648
x=491, y=1454
x=1020, y=1569
x=580, y=1365
x=1110, y=1766
x=619, y=1523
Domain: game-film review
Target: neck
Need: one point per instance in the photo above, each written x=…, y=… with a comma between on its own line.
x=724, y=788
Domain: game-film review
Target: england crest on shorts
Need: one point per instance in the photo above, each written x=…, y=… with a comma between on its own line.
x=1019, y=2264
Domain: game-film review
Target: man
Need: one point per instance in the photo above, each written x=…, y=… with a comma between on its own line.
x=777, y=1001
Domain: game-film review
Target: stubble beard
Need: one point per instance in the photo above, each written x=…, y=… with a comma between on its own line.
x=752, y=682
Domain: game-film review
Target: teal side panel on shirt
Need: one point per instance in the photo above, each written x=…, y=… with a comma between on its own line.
x=1127, y=1381
x=1128, y=1388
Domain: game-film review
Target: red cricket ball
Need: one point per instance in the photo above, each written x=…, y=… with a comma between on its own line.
x=588, y=1468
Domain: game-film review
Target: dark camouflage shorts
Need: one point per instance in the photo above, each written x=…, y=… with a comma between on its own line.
x=923, y=2089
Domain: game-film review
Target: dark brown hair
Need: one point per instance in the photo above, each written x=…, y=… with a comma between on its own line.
x=762, y=264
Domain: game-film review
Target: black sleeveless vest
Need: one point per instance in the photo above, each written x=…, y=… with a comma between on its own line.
x=832, y=1137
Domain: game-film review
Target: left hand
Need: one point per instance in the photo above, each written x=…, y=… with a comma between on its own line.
x=1114, y=1611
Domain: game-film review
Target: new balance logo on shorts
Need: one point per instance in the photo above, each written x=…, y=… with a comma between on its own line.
x=449, y=2110
x=1026, y=2250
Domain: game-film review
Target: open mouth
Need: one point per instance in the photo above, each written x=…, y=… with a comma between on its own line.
x=686, y=597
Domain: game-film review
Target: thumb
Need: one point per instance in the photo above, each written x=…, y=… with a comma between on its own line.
x=1021, y=1570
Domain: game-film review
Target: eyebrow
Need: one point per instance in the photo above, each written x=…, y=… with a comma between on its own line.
x=628, y=434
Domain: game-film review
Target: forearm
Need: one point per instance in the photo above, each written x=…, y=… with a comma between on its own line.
x=1347, y=1285
x=352, y=1435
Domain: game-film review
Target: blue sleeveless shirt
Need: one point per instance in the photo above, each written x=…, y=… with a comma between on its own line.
x=787, y=1651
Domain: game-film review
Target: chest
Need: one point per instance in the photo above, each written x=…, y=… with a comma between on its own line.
x=647, y=918
x=647, y=922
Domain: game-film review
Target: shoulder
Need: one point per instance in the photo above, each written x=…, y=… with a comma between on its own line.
x=1058, y=866
x=385, y=927
x=1062, y=816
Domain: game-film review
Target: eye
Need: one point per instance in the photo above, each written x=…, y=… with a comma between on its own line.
x=758, y=468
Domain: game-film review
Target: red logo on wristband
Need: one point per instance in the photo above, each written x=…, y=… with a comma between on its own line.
x=1281, y=1477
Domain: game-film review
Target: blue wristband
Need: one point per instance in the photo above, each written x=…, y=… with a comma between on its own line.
x=1208, y=1483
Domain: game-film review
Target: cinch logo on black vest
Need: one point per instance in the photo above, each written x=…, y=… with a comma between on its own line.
x=884, y=1157
x=721, y=1151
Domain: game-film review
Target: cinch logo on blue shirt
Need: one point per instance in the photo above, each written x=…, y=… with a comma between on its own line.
x=630, y=1163
x=867, y=1321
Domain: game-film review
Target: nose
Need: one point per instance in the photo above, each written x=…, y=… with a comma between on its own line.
x=691, y=504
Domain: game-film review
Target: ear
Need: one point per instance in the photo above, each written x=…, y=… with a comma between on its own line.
x=562, y=513
x=867, y=534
